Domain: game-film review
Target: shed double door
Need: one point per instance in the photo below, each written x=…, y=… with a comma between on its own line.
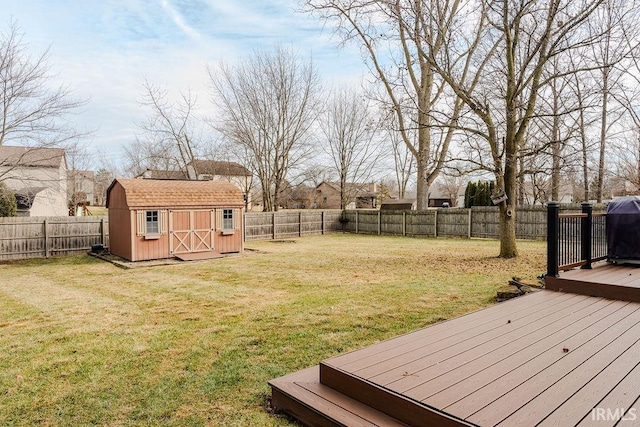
x=191, y=231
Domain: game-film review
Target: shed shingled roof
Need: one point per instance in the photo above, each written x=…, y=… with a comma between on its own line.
x=162, y=193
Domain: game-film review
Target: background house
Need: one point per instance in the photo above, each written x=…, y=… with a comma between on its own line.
x=439, y=196
x=209, y=170
x=398, y=205
x=81, y=187
x=38, y=177
x=359, y=196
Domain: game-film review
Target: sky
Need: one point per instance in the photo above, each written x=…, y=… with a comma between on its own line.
x=105, y=49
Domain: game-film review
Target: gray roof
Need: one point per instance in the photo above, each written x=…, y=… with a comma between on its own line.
x=31, y=156
x=214, y=167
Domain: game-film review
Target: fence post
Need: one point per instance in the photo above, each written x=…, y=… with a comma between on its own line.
x=553, y=210
x=273, y=222
x=322, y=225
x=300, y=224
x=435, y=224
x=103, y=232
x=469, y=225
x=404, y=223
x=379, y=224
x=585, y=237
x=356, y=221
x=46, y=238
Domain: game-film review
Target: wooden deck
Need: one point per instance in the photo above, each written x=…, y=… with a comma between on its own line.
x=549, y=358
x=604, y=279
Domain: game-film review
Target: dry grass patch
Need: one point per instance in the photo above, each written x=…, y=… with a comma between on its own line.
x=84, y=342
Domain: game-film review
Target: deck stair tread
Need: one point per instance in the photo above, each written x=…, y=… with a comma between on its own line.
x=303, y=388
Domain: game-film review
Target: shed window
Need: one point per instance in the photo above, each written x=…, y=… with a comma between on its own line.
x=227, y=219
x=152, y=225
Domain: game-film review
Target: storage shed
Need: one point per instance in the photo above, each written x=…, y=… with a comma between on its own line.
x=155, y=219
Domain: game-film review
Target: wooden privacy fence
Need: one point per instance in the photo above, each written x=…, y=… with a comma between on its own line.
x=477, y=222
x=41, y=237
x=288, y=224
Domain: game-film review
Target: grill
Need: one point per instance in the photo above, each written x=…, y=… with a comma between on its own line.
x=623, y=230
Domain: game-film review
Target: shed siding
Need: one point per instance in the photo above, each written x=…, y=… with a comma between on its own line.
x=230, y=242
x=117, y=197
x=151, y=248
x=120, y=232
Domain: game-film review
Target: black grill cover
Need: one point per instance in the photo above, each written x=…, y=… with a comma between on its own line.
x=623, y=228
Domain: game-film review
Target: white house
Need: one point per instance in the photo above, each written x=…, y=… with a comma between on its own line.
x=38, y=177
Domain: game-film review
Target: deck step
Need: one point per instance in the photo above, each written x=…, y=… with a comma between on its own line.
x=302, y=396
x=397, y=406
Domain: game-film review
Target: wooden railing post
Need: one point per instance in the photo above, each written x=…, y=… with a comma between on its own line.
x=586, y=234
x=553, y=210
x=322, y=225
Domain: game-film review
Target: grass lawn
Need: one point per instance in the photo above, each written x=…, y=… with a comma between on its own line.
x=84, y=342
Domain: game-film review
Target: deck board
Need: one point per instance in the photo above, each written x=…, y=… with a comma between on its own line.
x=405, y=376
x=446, y=333
x=453, y=372
x=477, y=376
x=624, y=395
x=604, y=369
x=580, y=404
x=588, y=356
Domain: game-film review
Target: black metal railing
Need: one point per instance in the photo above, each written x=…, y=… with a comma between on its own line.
x=574, y=240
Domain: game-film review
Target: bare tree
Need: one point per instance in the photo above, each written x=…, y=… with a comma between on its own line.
x=612, y=20
x=397, y=38
x=171, y=135
x=511, y=46
x=268, y=103
x=80, y=164
x=350, y=139
x=403, y=160
x=316, y=173
x=32, y=114
x=450, y=186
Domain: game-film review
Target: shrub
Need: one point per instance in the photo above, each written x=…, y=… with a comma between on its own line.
x=8, y=206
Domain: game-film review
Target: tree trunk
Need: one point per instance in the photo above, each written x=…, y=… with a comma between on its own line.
x=508, y=248
x=603, y=134
x=422, y=186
